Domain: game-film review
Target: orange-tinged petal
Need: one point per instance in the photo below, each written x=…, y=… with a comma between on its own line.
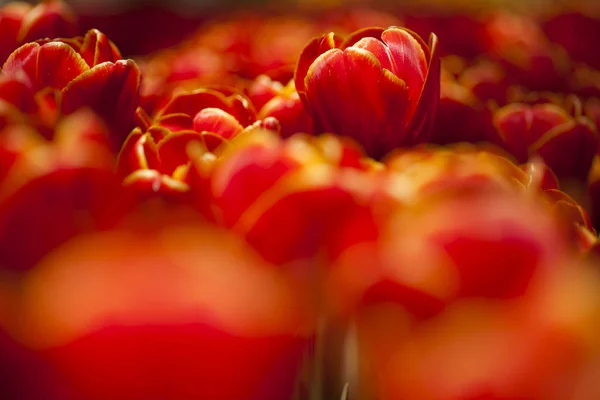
x=22, y=63
x=58, y=64
x=96, y=49
x=217, y=121
x=310, y=53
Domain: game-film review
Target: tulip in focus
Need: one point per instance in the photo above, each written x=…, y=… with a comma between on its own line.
x=379, y=86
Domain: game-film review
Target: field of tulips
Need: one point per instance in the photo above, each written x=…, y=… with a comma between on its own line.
x=352, y=203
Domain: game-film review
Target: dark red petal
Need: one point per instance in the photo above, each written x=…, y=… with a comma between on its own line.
x=48, y=19
x=424, y=115
x=11, y=16
x=512, y=125
x=112, y=91
x=19, y=94
x=569, y=149
x=49, y=210
x=132, y=155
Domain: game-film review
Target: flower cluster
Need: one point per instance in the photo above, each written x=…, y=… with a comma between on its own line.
x=295, y=206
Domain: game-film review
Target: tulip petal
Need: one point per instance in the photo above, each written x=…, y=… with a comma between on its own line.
x=311, y=52
x=408, y=58
x=192, y=103
x=379, y=50
x=48, y=19
x=217, y=121
x=172, y=150
x=350, y=94
x=111, y=90
x=58, y=64
x=176, y=122
x=423, y=117
x=96, y=49
x=22, y=63
x=569, y=149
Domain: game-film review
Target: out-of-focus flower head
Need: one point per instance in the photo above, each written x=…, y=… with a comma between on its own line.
x=22, y=22
x=51, y=191
x=519, y=44
x=297, y=198
x=564, y=138
x=255, y=44
x=188, y=306
x=379, y=86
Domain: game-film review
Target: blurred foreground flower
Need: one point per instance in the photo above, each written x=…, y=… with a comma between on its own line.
x=181, y=312
x=51, y=191
x=379, y=86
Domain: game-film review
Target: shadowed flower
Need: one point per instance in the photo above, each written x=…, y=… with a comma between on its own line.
x=566, y=141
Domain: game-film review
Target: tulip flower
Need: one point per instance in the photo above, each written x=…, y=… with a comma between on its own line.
x=567, y=143
x=154, y=158
x=181, y=311
x=296, y=198
x=379, y=86
x=85, y=72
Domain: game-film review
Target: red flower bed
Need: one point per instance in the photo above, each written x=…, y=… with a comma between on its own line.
x=284, y=204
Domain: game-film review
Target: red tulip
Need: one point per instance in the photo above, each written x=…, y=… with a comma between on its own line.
x=86, y=72
x=567, y=143
x=154, y=158
x=379, y=86
x=176, y=312
x=293, y=199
